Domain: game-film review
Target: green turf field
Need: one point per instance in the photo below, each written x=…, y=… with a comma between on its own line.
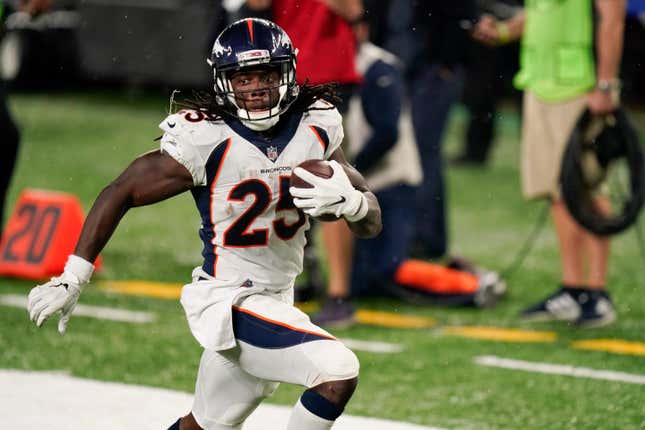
x=78, y=142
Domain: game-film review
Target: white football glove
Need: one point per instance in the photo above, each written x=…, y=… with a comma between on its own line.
x=335, y=195
x=60, y=293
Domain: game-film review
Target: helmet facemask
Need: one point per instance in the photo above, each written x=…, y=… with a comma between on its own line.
x=280, y=96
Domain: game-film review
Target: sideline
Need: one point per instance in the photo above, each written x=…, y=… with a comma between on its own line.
x=162, y=290
x=123, y=315
x=56, y=401
x=363, y=316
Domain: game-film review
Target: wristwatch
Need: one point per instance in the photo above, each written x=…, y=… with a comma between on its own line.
x=608, y=85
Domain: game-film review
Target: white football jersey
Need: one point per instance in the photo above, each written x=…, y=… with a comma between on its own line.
x=250, y=228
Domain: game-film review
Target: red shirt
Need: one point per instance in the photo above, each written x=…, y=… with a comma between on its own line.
x=325, y=41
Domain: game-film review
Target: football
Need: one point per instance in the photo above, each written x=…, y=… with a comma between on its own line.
x=320, y=168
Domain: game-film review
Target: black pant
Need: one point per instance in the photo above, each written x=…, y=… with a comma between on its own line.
x=489, y=74
x=9, y=140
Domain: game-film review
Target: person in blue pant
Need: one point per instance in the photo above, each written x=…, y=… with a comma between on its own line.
x=436, y=81
x=381, y=145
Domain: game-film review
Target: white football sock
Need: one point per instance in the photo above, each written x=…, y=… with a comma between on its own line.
x=303, y=419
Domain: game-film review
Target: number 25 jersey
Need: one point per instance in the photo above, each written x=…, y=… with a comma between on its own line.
x=250, y=228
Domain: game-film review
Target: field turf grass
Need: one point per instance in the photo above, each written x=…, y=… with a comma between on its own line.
x=78, y=142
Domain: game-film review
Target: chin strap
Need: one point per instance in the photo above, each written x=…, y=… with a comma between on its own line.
x=259, y=121
x=261, y=124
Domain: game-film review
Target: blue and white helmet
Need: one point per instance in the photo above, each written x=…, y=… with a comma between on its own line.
x=253, y=43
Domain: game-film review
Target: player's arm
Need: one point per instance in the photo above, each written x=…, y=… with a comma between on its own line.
x=151, y=178
x=370, y=224
x=344, y=194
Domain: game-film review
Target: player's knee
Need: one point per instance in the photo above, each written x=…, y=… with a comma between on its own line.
x=337, y=392
x=336, y=362
x=188, y=423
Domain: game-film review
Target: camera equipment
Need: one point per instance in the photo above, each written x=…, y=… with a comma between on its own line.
x=603, y=155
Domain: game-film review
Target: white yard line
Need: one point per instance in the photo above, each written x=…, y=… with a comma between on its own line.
x=123, y=315
x=371, y=346
x=99, y=312
x=559, y=369
x=56, y=401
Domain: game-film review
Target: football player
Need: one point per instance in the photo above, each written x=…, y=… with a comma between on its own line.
x=235, y=151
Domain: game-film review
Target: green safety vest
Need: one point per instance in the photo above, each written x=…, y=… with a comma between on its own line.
x=556, y=54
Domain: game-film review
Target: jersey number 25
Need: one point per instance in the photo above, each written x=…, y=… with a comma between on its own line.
x=240, y=234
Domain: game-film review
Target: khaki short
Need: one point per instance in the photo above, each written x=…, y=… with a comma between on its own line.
x=546, y=128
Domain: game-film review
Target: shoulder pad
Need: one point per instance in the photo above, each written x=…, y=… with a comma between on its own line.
x=192, y=125
x=330, y=121
x=189, y=137
x=325, y=114
x=322, y=104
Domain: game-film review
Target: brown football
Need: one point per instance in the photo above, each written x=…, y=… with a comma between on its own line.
x=319, y=168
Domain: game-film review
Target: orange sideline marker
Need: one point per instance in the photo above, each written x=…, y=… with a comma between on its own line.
x=42, y=231
x=426, y=276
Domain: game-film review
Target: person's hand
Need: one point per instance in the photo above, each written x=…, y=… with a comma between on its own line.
x=35, y=7
x=335, y=195
x=60, y=294
x=258, y=4
x=349, y=10
x=486, y=30
x=601, y=102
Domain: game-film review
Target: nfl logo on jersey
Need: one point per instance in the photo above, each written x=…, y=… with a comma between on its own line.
x=272, y=153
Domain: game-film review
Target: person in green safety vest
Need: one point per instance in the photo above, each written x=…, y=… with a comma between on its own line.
x=10, y=136
x=561, y=76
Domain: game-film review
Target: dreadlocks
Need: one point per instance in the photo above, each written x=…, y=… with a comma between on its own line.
x=205, y=101
x=309, y=94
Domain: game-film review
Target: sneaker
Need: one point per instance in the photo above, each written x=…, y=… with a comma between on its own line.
x=335, y=312
x=597, y=310
x=561, y=306
x=491, y=288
